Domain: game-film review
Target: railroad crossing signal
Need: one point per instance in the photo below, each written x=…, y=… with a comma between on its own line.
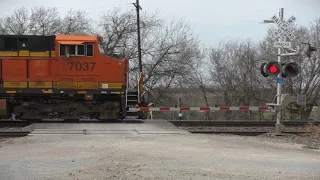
x=273, y=68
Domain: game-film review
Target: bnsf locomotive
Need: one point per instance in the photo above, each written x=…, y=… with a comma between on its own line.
x=60, y=76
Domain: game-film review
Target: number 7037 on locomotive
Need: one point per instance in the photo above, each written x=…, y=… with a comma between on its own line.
x=61, y=76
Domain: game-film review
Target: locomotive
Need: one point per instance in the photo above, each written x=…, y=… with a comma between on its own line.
x=61, y=76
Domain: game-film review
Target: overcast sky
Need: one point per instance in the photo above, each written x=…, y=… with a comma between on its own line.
x=212, y=20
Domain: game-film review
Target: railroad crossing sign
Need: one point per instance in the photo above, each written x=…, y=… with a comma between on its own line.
x=284, y=28
x=282, y=44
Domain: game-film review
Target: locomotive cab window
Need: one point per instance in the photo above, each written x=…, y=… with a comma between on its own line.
x=63, y=50
x=80, y=50
x=74, y=50
x=89, y=49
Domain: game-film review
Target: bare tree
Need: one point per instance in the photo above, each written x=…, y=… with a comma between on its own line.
x=235, y=68
x=17, y=23
x=44, y=21
x=167, y=49
x=119, y=31
x=75, y=22
x=198, y=77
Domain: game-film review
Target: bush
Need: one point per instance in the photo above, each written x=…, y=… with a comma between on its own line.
x=314, y=131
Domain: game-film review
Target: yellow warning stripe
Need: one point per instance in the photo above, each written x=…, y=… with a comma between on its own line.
x=47, y=91
x=11, y=92
x=82, y=92
x=15, y=84
x=40, y=84
x=110, y=85
x=61, y=85
x=8, y=53
x=24, y=53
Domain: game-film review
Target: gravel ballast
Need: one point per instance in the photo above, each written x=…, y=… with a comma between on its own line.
x=17, y=129
x=305, y=140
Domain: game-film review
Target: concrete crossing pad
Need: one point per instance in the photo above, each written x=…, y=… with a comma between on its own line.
x=87, y=128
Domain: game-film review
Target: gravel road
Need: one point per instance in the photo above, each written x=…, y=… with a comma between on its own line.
x=129, y=156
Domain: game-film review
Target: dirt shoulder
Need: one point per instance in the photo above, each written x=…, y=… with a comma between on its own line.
x=116, y=156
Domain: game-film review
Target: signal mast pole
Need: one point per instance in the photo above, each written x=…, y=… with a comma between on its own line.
x=279, y=86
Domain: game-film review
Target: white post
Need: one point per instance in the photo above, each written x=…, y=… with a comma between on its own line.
x=278, y=124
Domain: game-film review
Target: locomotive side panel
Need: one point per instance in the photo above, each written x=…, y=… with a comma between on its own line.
x=39, y=73
x=14, y=73
x=14, y=70
x=24, y=60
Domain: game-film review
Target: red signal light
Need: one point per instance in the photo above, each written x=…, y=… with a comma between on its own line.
x=273, y=69
x=290, y=69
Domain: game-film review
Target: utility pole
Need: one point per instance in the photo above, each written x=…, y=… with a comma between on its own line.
x=279, y=85
x=138, y=8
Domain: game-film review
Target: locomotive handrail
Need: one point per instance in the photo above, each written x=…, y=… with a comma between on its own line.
x=127, y=87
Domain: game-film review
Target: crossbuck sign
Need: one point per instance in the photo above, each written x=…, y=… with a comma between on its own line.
x=284, y=29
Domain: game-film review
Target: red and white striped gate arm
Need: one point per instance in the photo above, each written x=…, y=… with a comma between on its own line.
x=221, y=108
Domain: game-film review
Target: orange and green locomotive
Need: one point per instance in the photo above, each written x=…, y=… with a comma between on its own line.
x=61, y=76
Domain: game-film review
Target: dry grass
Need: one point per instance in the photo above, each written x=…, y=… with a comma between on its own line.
x=314, y=131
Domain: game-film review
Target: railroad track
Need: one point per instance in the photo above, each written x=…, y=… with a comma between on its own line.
x=244, y=133
x=13, y=124
x=247, y=128
x=240, y=123
x=4, y=135
x=9, y=128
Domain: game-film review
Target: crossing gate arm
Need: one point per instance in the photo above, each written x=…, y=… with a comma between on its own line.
x=221, y=108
